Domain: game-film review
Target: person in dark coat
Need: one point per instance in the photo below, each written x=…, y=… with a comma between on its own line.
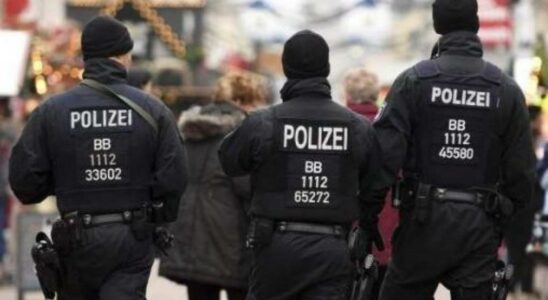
x=209, y=252
x=361, y=89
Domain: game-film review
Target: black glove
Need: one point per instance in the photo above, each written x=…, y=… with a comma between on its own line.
x=163, y=239
x=373, y=237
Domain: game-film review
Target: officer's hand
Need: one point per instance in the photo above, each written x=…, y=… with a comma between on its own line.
x=374, y=238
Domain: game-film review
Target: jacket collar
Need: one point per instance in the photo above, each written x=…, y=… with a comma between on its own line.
x=105, y=70
x=462, y=43
x=317, y=87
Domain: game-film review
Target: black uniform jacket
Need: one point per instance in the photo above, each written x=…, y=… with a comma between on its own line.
x=459, y=53
x=63, y=149
x=249, y=148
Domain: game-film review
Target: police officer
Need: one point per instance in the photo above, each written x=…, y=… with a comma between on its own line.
x=107, y=164
x=458, y=128
x=311, y=163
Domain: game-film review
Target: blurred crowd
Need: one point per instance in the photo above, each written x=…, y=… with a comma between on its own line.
x=209, y=253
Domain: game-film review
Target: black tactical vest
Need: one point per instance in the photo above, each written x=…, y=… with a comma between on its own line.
x=311, y=173
x=104, y=151
x=456, y=139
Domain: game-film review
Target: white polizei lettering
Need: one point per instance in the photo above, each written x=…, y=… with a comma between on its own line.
x=471, y=97
x=122, y=117
x=75, y=117
x=446, y=96
x=456, y=99
x=101, y=118
x=289, y=133
x=323, y=138
x=461, y=97
x=300, y=140
x=112, y=118
x=95, y=124
x=337, y=137
x=86, y=119
x=311, y=145
x=436, y=92
x=345, y=138
x=328, y=133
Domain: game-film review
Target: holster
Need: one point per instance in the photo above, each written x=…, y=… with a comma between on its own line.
x=48, y=266
x=501, y=281
x=357, y=244
x=141, y=227
x=67, y=233
x=259, y=232
x=367, y=273
x=423, y=204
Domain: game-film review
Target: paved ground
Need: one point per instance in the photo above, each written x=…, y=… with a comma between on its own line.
x=159, y=288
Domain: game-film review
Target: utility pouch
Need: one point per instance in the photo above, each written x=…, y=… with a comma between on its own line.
x=259, y=233
x=67, y=233
x=141, y=228
x=423, y=204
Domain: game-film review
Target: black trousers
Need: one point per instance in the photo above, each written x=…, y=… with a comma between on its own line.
x=301, y=266
x=110, y=265
x=517, y=236
x=457, y=247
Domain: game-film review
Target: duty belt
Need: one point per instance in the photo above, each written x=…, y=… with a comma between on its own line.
x=90, y=220
x=443, y=194
x=335, y=230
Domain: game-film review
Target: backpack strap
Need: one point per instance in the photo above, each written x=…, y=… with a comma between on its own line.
x=103, y=89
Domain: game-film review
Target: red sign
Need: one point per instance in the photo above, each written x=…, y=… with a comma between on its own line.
x=13, y=8
x=495, y=23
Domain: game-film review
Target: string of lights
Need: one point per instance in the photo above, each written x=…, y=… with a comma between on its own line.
x=161, y=28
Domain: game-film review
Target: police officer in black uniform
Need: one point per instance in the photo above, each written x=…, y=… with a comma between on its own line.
x=458, y=128
x=107, y=165
x=311, y=163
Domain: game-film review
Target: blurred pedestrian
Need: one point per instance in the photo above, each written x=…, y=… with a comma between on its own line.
x=362, y=90
x=112, y=156
x=140, y=78
x=209, y=253
x=456, y=128
x=7, y=138
x=518, y=232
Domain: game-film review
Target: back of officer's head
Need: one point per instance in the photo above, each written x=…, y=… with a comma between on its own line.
x=105, y=37
x=455, y=15
x=305, y=55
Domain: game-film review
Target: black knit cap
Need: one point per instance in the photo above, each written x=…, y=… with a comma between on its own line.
x=455, y=15
x=105, y=36
x=305, y=55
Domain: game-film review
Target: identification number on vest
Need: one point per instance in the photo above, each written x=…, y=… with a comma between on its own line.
x=103, y=160
x=456, y=142
x=313, y=186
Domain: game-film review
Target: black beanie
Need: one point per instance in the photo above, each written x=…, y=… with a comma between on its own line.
x=455, y=15
x=305, y=55
x=105, y=36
